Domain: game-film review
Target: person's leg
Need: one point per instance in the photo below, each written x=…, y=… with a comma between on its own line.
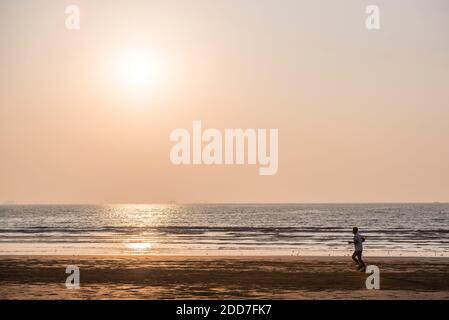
x=354, y=257
x=362, y=264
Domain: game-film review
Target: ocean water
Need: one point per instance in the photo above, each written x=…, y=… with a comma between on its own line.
x=290, y=229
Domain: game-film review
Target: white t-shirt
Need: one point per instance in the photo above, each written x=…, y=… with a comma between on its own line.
x=359, y=245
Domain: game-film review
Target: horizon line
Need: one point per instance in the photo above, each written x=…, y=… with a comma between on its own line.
x=218, y=203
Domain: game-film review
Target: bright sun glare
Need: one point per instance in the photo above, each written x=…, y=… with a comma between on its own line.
x=139, y=70
x=139, y=246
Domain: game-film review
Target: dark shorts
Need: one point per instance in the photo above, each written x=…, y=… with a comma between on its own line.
x=357, y=254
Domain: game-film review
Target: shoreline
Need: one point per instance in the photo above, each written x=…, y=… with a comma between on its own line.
x=218, y=277
x=216, y=256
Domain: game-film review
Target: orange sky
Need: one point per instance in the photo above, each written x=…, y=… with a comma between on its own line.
x=363, y=116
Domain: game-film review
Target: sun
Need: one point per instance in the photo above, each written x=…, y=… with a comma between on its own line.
x=138, y=70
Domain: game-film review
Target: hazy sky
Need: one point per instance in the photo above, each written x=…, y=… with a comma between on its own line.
x=363, y=116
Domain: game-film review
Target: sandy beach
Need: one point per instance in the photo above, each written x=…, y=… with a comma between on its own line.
x=176, y=277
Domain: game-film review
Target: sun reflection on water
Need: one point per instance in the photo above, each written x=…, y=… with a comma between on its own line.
x=139, y=246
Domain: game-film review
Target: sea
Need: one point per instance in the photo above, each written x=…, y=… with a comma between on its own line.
x=224, y=229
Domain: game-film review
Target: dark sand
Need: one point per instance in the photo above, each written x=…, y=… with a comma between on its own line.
x=171, y=277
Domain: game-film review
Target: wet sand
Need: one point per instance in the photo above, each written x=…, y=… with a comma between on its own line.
x=175, y=277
